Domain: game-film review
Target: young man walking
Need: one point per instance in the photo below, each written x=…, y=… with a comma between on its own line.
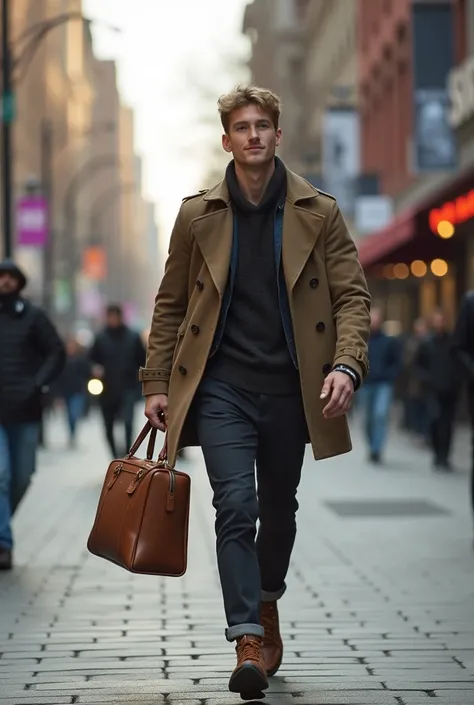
x=258, y=341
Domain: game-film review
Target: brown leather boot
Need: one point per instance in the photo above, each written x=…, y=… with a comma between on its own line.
x=272, y=641
x=249, y=677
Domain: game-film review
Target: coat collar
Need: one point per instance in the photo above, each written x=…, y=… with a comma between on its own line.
x=301, y=229
x=298, y=189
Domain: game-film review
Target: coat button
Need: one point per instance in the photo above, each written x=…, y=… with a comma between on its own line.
x=182, y=370
x=194, y=330
x=200, y=285
x=320, y=327
x=314, y=283
x=327, y=368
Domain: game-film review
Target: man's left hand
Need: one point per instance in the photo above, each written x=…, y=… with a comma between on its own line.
x=339, y=389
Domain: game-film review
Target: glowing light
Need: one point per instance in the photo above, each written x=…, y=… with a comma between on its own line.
x=445, y=229
x=388, y=271
x=401, y=271
x=439, y=267
x=95, y=387
x=418, y=268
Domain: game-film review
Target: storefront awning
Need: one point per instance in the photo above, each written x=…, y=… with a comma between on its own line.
x=375, y=247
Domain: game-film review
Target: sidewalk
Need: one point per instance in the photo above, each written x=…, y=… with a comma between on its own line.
x=379, y=610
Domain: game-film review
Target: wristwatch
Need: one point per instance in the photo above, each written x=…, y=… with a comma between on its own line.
x=350, y=373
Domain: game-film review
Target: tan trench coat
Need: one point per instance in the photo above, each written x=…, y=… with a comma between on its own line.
x=325, y=285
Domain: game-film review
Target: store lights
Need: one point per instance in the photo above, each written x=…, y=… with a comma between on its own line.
x=418, y=268
x=401, y=271
x=439, y=267
x=445, y=229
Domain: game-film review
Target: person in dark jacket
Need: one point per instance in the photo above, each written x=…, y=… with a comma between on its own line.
x=119, y=353
x=31, y=357
x=439, y=377
x=385, y=361
x=463, y=351
x=72, y=386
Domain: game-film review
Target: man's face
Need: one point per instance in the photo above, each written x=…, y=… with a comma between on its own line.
x=438, y=322
x=252, y=137
x=113, y=320
x=8, y=283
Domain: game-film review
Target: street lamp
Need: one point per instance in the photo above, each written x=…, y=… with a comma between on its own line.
x=30, y=41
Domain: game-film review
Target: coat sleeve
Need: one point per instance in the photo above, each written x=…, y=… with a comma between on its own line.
x=171, y=304
x=349, y=295
x=461, y=350
x=51, y=349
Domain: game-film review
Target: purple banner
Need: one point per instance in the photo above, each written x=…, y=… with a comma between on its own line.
x=32, y=221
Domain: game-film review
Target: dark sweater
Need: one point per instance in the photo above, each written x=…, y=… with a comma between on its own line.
x=253, y=353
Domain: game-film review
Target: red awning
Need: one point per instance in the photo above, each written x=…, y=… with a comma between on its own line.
x=399, y=231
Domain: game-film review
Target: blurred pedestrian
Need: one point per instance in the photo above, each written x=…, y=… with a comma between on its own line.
x=436, y=370
x=118, y=353
x=376, y=396
x=31, y=357
x=414, y=398
x=463, y=349
x=71, y=386
x=258, y=342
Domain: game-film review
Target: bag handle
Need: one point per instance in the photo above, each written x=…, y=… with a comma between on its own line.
x=151, y=443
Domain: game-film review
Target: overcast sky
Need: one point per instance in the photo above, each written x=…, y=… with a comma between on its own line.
x=160, y=44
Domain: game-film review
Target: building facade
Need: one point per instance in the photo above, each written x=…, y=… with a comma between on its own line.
x=275, y=29
x=73, y=139
x=414, y=264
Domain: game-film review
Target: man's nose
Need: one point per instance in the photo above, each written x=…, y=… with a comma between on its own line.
x=254, y=136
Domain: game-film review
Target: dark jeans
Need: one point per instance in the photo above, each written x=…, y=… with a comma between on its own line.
x=75, y=404
x=240, y=431
x=443, y=409
x=118, y=408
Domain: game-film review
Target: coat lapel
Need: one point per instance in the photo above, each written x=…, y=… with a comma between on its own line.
x=302, y=227
x=213, y=233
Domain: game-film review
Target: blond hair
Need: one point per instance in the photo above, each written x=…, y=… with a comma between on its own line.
x=242, y=96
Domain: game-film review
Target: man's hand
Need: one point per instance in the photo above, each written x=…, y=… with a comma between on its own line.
x=156, y=410
x=339, y=388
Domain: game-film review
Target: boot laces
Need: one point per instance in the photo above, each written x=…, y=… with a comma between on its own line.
x=250, y=649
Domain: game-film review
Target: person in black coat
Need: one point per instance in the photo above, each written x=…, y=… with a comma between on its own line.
x=436, y=370
x=31, y=357
x=118, y=353
x=463, y=351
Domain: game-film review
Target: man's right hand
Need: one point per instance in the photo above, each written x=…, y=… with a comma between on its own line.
x=156, y=410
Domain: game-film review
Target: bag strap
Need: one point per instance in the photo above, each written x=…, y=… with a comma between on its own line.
x=151, y=443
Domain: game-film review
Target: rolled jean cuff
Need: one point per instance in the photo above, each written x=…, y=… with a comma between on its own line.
x=232, y=633
x=273, y=596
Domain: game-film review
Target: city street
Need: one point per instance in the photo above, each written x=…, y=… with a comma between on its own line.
x=379, y=610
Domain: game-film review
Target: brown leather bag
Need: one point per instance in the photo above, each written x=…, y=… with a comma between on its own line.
x=142, y=519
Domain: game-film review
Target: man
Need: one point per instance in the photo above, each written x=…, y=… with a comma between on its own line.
x=31, y=357
x=257, y=343
x=437, y=371
x=463, y=349
x=385, y=360
x=118, y=352
x=416, y=413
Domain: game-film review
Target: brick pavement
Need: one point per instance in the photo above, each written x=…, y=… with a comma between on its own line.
x=379, y=610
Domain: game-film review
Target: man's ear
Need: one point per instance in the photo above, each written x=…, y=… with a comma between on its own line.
x=226, y=143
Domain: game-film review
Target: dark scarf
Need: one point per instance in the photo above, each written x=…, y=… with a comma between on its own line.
x=274, y=193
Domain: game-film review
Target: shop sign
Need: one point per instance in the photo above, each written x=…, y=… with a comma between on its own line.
x=458, y=211
x=461, y=93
